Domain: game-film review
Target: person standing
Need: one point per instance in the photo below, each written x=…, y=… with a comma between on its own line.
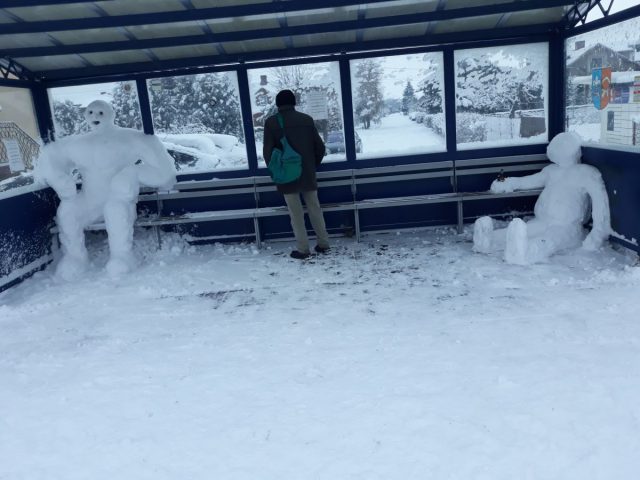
x=303, y=136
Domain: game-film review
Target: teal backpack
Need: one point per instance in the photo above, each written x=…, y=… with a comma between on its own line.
x=285, y=165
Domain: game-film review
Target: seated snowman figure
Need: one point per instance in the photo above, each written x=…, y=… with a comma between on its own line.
x=113, y=162
x=569, y=189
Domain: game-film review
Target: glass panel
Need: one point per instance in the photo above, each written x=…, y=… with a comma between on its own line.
x=68, y=103
x=501, y=95
x=198, y=119
x=398, y=105
x=317, y=90
x=19, y=136
x=603, y=84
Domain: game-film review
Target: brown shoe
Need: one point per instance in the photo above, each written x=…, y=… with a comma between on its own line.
x=320, y=249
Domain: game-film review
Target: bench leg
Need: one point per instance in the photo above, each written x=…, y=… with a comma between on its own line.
x=460, y=217
x=357, y=222
x=158, y=237
x=256, y=227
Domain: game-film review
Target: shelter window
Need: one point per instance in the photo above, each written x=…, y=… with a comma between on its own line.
x=603, y=84
x=198, y=119
x=68, y=104
x=501, y=95
x=398, y=105
x=19, y=137
x=317, y=90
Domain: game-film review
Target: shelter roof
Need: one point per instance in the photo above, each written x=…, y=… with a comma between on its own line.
x=58, y=39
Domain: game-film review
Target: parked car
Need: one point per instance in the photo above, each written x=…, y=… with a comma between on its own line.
x=335, y=142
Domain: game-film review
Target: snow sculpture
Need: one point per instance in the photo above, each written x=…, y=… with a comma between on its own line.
x=113, y=162
x=569, y=189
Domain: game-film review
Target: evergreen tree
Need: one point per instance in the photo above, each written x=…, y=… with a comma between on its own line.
x=69, y=118
x=216, y=105
x=126, y=107
x=170, y=98
x=369, y=102
x=431, y=98
x=409, y=100
x=203, y=103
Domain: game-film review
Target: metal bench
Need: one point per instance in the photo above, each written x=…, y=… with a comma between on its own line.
x=355, y=179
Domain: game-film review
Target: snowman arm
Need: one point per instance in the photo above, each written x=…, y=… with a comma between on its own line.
x=600, y=213
x=54, y=168
x=157, y=167
x=530, y=182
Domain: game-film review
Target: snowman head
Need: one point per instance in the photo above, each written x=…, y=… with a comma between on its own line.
x=565, y=149
x=99, y=114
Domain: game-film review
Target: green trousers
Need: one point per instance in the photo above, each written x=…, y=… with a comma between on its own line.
x=296, y=213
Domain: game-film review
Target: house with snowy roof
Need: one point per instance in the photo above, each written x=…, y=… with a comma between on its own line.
x=619, y=120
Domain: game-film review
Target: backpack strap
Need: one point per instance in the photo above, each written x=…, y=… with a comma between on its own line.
x=281, y=121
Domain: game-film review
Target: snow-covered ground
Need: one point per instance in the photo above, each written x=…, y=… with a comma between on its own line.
x=405, y=356
x=398, y=135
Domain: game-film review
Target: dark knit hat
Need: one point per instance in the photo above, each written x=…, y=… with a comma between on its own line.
x=285, y=97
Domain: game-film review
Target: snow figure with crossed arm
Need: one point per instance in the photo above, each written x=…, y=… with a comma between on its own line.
x=569, y=189
x=113, y=162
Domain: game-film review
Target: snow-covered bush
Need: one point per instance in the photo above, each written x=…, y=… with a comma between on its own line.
x=435, y=122
x=470, y=127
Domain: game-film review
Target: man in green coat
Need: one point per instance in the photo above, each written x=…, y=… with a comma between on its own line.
x=303, y=137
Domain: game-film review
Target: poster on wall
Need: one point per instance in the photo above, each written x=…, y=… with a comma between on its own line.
x=316, y=105
x=601, y=87
x=16, y=163
x=620, y=94
x=636, y=89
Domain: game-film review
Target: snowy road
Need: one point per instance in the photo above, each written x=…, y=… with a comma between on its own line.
x=402, y=357
x=398, y=135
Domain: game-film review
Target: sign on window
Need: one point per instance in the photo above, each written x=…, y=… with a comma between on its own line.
x=16, y=162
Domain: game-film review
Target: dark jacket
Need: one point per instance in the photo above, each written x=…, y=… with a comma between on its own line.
x=303, y=137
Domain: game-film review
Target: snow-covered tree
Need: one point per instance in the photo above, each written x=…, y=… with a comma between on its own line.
x=429, y=92
x=69, y=118
x=292, y=77
x=204, y=103
x=409, y=100
x=477, y=85
x=493, y=83
x=369, y=101
x=126, y=106
x=216, y=104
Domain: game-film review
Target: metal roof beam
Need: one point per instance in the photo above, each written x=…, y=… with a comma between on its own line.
x=397, y=20
x=422, y=42
x=431, y=25
x=39, y=3
x=186, y=15
x=580, y=10
x=10, y=67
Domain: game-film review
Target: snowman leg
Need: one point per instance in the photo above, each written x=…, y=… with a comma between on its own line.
x=517, y=243
x=119, y=217
x=73, y=216
x=482, y=234
x=552, y=239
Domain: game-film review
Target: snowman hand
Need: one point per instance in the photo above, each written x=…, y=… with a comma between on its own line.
x=504, y=186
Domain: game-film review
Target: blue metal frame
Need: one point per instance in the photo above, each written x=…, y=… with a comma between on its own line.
x=393, y=47
x=343, y=60
x=186, y=15
x=484, y=37
x=283, y=30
